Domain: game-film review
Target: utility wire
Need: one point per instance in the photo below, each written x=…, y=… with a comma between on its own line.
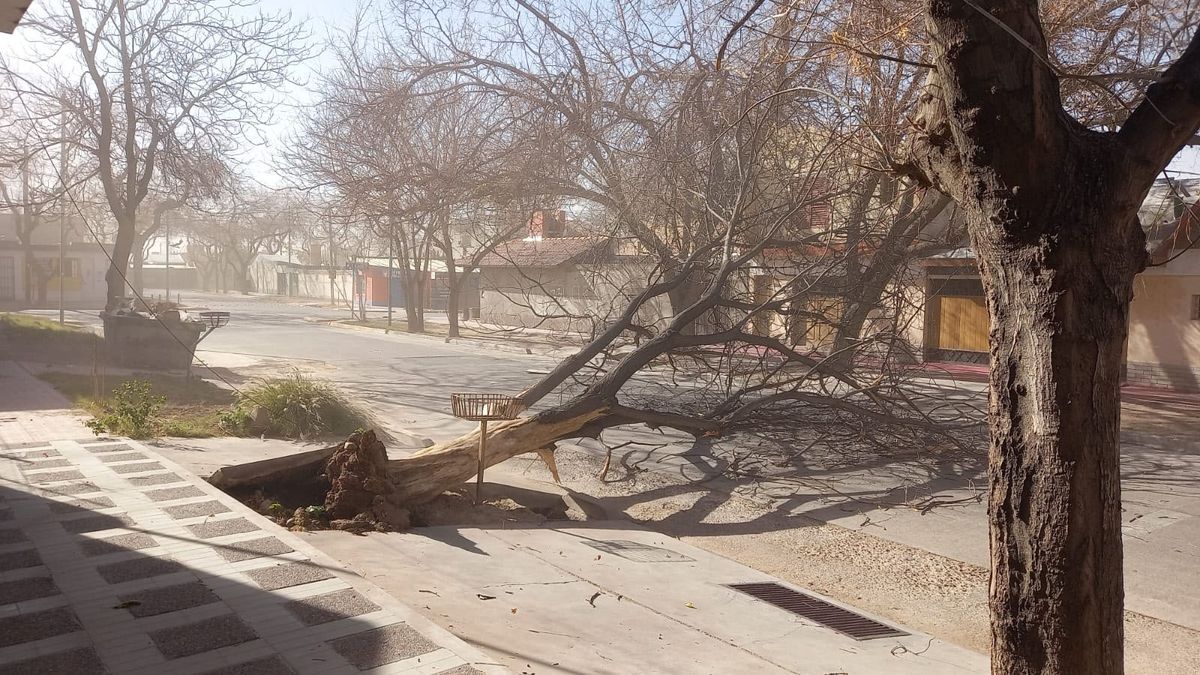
x=58, y=170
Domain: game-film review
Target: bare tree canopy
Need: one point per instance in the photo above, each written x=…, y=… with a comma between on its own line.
x=150, y=93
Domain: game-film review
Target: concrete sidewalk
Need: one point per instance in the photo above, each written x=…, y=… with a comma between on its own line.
x=609, y=597
x=114, y=559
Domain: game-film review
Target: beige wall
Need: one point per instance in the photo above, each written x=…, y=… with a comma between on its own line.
x=1161, y=329
x=592, y=294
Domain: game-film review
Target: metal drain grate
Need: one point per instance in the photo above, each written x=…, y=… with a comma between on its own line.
x=632, y=550
x=842, y=620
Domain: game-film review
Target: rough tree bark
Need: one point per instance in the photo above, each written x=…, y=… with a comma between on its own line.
x=1052, y=214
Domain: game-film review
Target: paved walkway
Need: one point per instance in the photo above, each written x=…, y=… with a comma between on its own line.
x=113, y=559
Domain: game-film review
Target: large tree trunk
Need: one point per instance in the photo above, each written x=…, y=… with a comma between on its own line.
x=121, y=250
x=1052, y=210
x=1060, y=314
x=430, y=472
x=137, y=264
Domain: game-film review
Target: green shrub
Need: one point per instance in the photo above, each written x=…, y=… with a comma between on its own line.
x=235, y=421
x=130, y=411
x=295, y=407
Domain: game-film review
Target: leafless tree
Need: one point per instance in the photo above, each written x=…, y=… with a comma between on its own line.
x=145, y=82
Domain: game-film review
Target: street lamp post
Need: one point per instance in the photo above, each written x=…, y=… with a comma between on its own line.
x=62, y=221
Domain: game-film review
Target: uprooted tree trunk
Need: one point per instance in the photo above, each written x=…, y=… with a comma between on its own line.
x=432, y=471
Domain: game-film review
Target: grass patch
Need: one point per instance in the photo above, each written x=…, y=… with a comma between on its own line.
x=36, y=338
x=28, y=325
x=294, y=407
x=190, y=408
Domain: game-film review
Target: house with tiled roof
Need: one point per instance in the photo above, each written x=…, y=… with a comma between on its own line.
x=560, y=278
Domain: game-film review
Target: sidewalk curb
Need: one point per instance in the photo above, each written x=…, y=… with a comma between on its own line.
x=468, y=342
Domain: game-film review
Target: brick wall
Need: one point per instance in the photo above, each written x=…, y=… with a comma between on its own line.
x=1179, y=378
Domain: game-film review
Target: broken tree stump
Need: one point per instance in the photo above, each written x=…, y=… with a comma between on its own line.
x=359, y=486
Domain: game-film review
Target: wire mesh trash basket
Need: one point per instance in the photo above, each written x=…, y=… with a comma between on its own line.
x=483, y=408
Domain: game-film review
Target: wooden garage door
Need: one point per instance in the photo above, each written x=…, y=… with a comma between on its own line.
x=962, y=323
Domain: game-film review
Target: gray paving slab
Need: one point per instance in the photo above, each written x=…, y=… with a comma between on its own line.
x=47, y=464
x=253, y=548
x=271, y=665
x=156, y=479
x=96, y=523
x=75, y=489
x=81, y=661
x=81, y=505
x=12, y=535
x=328, y=607
x=202, y=636
x=220, y=528
x=54, y=476
x=117, y=544
x=289, y=574
x=168, y=494
x=29, y=626
x=138, y=568
x=15, y=560
x=209, y=508
x=154, y=601
x=26, y=589
x=381, y=646
x=110, y=457
x=140, y=467
x=107, y=448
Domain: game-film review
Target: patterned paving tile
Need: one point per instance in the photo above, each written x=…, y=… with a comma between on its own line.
x=138, y=568
x=74, y=489
x=290, y=574
x=202, y=636
x=330, y=607
x=464, y=669
x=381, y=646
x=26, y=589
x=95, y=523
x=119, y=543
x=16, y=560
x=220, y=528
x=99, y=449
x=253, y=548
x=37, y=626
x=156, y=479
x=82, y=661
x=167, y=494
x=137, y=468
x=110, y=457
x=81, y=505
x=208, y=508
x=47, y=464
x=32, y=454
x=54, y=476
x=12, y=535
x=272, y=665
x=169, y=599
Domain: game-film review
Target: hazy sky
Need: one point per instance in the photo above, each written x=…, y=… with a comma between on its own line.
x=325, y=16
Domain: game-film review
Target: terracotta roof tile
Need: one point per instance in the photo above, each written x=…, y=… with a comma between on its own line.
x=545, y=252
